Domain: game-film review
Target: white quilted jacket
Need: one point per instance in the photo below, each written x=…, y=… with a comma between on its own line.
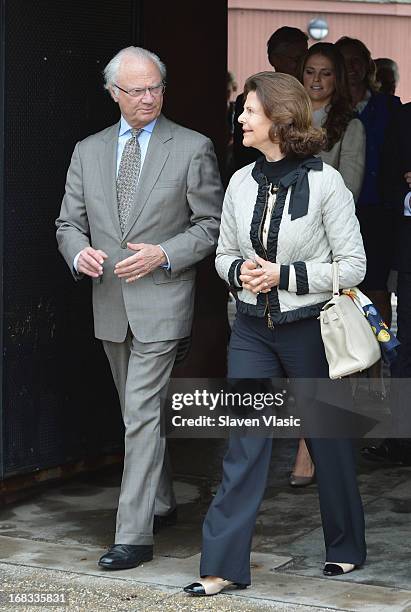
x=304, y=246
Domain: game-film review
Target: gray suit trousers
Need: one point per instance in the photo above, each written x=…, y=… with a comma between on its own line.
x=141, y=371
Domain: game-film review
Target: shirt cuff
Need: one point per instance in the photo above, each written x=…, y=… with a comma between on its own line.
x=166, y=266
x=75, y=262
x=292, y=281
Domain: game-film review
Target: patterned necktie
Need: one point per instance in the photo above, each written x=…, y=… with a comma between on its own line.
x=127, y=177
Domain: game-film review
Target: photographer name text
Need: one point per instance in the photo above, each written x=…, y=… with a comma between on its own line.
x=229, y=421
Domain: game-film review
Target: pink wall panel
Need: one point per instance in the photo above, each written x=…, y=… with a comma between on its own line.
x=385, y=35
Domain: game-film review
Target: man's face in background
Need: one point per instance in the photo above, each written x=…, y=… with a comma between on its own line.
x=286, y=57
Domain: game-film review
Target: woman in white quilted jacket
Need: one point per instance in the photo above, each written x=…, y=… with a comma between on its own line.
x=324, y=76
x=285, y=218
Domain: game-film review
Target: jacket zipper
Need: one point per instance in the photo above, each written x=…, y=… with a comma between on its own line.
x=267, y=312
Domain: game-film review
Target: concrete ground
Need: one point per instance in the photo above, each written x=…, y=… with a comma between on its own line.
x=90, y=593
x=51, y=542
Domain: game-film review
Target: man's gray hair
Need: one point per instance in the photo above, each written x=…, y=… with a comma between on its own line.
x=110, y=72
x=386, y=62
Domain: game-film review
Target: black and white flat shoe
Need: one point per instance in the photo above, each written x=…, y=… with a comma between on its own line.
x=211, y=587
x=337, y=569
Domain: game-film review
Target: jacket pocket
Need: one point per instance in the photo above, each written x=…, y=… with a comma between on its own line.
x=161, y=275
x=167, y=184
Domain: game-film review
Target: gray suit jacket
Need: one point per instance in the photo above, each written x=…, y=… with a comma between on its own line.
x=178, y=205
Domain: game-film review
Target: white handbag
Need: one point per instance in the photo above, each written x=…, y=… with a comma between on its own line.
x=350, y=343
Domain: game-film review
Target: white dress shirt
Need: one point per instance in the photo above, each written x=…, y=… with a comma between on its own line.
x=144, y=138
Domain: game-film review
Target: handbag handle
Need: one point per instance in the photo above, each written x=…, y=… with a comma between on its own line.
x=336, y=279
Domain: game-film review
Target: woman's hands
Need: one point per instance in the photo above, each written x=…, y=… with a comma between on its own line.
x=259, y=279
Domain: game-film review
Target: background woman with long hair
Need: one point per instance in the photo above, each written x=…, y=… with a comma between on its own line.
x=324, y=77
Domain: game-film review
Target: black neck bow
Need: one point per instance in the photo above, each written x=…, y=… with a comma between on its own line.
x=300, y=193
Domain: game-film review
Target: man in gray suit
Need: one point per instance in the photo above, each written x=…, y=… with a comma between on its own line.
x=141, y=208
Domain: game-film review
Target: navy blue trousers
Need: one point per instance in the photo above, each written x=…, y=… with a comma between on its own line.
x=294, y=350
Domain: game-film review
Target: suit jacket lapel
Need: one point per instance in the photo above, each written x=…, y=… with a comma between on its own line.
x=108, y=167
x=156, y=157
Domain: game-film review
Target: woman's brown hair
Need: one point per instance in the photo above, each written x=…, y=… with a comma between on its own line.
x=340, y=111
x=287, y=105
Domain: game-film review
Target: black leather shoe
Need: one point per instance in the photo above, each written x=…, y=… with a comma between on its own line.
x=386, y=453
x=125, y=556
x=168, y=520
x=300, y=481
